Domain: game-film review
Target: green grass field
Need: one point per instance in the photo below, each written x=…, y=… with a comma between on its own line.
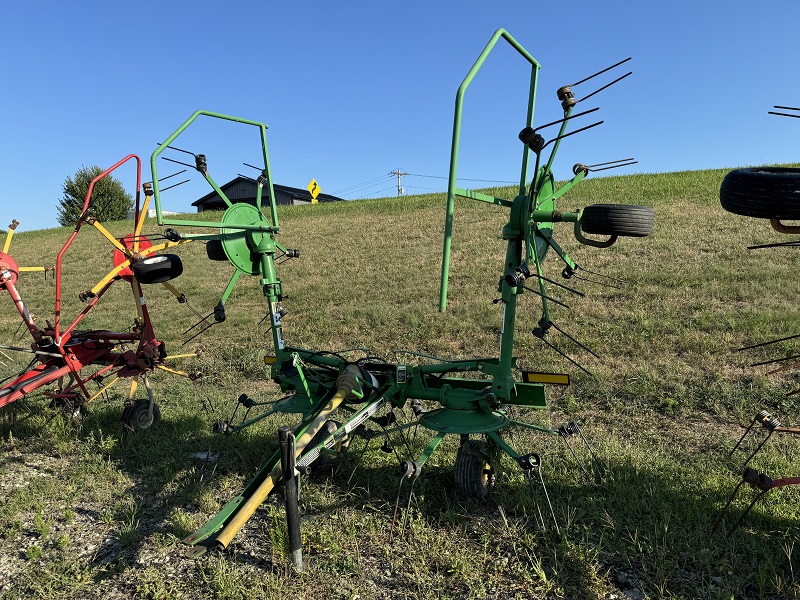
x=91, y=511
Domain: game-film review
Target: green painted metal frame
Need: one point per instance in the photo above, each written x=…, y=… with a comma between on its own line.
x=467, y=405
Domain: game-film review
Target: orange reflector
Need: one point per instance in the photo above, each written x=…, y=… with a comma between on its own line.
x=553, y=378
x=268, y=360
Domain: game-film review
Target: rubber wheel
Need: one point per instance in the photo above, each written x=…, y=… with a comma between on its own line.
x=326, y=462
x=618, y=219
x=474, y=473
x=215, y=251
x=157, y=269
x=138, y=416
x=763, y=192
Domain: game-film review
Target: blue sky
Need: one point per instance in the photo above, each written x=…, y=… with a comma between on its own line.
x=354, y=90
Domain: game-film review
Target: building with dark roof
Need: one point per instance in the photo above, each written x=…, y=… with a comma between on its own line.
x=243, y=189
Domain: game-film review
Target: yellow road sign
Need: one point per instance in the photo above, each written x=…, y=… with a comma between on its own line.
x=314, y=190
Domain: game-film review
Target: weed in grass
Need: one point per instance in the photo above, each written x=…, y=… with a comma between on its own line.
x=42, y=524
x=128, y=533
x=34, y=552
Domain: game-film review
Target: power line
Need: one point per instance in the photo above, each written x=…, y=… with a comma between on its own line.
x=460, y=178
x=365, y=188
x=416, y=187
x=358, y=185
x=378, y=192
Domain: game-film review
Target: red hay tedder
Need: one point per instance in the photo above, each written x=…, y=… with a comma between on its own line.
x=62, y=352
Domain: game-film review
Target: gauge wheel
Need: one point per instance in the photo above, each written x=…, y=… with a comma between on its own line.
x=326, y=462
x=157, y=269
x=215, y=251
x=618, y=219
x=474, y=472
x=138, y=417
x=762, y=192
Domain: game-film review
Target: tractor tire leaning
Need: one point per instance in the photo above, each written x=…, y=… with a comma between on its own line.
x=618, y=219
x=762, y=192
x=157, y=269
x=215, y=251
x=474, y=473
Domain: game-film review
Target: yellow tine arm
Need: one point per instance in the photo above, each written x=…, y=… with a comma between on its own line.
x=132, y=393
x=175, y=291
x=10, y=235
x=172, y=356
x=174, y=371
x=112, y=382
x=107, y=234
x=138, y=230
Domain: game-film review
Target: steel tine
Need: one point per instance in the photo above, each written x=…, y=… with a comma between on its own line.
x=407, y=473
x=721, y=514
x=561, y=285
x=616, y=287
x=760, y=416
x=565, y=356
x=574, y=340
x=764, y=441
x=759, y=345
x=410, y=496
x=608, y=85
x=610, y=162
x=770, y=112
x=751, y=505
x=601, y=275
x=169, y=187
x=210, y=325
x=545, y=296
x=576, y=115
x=777, y=360
x=606, y=70
x=541, y=521
x=561, y=137
x=564, y=436
x=198, y=323
x=775, y=245
x=596, y=460
x=627, y=164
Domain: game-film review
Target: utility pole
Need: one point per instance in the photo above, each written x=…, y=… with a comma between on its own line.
x=398, y=173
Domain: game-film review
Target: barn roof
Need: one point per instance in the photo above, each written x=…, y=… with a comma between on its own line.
x=296, y=193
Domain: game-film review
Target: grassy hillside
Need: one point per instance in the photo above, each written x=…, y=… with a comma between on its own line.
x=94, y=512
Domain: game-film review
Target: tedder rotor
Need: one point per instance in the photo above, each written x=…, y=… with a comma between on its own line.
x=472, y=397
x=72, y=358
x=764, y=193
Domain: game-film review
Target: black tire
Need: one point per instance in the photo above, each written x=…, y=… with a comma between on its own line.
x=138, y=416
x=326, y=462
x=762, y=192
x=157, y=269
x=474, y=473
x=618, y=219
x=215, y=251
